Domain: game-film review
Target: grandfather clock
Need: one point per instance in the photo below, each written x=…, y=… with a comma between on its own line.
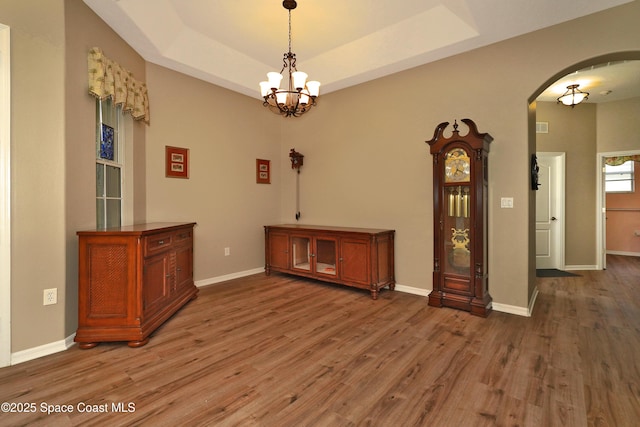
x=460, y=277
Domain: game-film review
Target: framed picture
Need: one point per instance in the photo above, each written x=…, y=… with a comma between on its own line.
x=263, y=171
x=176, y=162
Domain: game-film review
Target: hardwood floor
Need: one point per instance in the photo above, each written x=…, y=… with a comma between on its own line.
x=281, y=351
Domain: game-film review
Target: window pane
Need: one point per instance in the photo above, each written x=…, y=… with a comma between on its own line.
x=113, y=213
x=100, y=220
x=619, y=179
x=113, y=181
x=618, y=186
x=99, y=180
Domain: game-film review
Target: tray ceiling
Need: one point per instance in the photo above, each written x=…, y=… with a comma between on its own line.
x=234, y=44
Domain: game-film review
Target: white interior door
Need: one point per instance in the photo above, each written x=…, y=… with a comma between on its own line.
x=550, y=211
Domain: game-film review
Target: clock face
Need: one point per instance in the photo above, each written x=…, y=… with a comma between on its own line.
x=456, y=166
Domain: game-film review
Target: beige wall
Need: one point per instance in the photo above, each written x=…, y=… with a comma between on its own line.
x=225, y=134
x=53, y=172
x=582, y=132
x=84, y=30
x=573, y=131
x=37, y=169
x=618, y=126
x=366, y=162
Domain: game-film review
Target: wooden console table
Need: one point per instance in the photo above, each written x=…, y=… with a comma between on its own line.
x=357, y=257
x=131, y=280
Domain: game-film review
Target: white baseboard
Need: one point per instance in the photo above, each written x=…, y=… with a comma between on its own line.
x=623, y=253
x=580, y=267
x=218, y=279
x=42, y=350
x=412, y=290
x=515, y=309
x=504, y=308
x=55, y=347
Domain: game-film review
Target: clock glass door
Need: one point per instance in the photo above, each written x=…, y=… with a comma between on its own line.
x=457, y=222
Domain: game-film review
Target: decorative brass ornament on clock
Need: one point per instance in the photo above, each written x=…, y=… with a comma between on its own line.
x=460, y=194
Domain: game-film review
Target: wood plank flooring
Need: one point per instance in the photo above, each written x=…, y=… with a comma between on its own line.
x=281, y=351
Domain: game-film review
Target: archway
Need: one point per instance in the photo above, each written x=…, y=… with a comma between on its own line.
x=592, y=62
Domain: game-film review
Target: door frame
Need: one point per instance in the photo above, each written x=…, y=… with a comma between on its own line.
x=5, y=196
x=601, y=206
x=558, y=182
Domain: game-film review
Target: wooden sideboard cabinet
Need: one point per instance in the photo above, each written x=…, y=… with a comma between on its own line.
x=131, y=280
x=358, y=257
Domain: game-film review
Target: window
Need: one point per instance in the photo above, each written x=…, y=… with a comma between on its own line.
x=109, y=164
x=619, y=179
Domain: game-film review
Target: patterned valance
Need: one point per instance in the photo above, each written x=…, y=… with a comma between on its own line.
x=108, y=79
x=618, y=160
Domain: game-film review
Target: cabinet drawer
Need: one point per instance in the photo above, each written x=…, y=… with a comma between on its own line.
x=157, y=243
x=183, y=236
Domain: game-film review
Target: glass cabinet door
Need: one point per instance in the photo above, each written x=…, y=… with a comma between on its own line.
x=326, y=256
x=301, y=253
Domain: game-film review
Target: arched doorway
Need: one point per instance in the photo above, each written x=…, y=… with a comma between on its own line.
x=596, y=221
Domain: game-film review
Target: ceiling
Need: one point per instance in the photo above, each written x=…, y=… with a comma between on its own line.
x=234, y=43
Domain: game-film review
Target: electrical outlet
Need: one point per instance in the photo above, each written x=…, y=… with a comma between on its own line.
x=50, y=296
x=227, y=251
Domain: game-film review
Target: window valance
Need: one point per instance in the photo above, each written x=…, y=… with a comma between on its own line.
x=108, y=79
x=618, y=160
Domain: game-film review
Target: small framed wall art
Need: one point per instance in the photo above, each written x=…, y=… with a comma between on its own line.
x=176, y=162
x=263, y=171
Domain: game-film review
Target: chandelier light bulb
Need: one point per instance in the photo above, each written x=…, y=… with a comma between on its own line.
x=299, y=80
x=314, y=88
x=274, y=80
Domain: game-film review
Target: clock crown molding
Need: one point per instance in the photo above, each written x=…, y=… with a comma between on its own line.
x=476, y=140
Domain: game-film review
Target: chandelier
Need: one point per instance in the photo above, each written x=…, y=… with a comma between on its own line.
x=573, y=96
x=299, y=95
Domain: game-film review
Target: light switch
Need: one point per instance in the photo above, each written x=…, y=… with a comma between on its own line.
x=506, y=202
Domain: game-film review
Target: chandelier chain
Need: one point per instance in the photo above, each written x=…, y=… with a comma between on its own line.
x=289, y=30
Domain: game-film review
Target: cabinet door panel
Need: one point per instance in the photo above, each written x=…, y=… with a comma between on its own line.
x=355, y=265
x=184, y=268
x=155, y=289
x=279, y=250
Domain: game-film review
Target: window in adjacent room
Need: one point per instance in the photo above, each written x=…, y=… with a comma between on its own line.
x=109, y=164
x=619, y=179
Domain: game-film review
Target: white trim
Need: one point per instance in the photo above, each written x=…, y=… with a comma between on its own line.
x=504, y=308
x=623, y=253
x=582, y=267
x=5, y=196
x=511, y=309
x=213, y=280
x=42, y=350
x=601, y=249
x=413, y=291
